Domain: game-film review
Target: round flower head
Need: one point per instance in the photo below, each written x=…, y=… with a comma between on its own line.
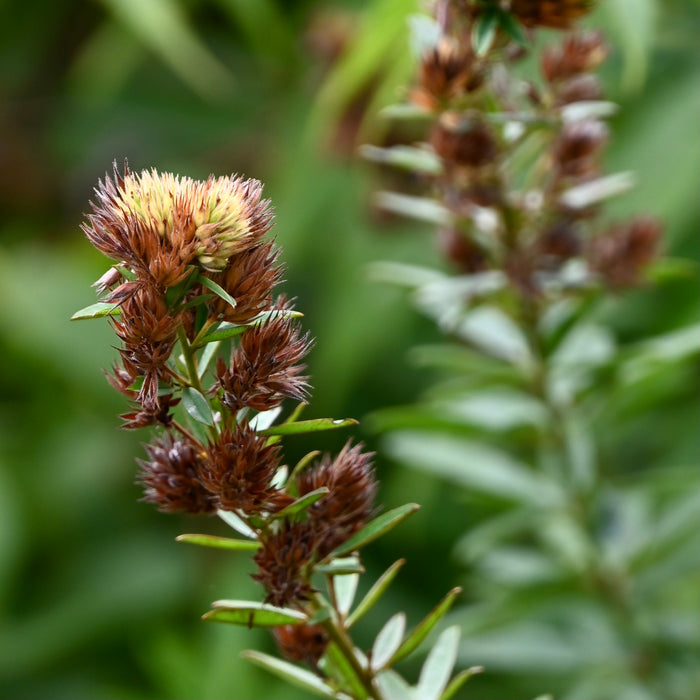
x=158, y=220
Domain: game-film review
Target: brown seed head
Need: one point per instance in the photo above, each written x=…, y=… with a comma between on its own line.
x=240, y=469
x=459, y=249
x=171, y=477
x=463, y=141
x=447, y=71
x=305, y=643
x=249, y=279
x=579, y=88
x=557, y=14
x=281, y=561
x=265, y=368
x=621, y=254
x=577, y=147
x=350, y=501
x=577, y=53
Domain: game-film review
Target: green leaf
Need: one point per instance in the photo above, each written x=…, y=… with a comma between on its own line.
x=232, y=520
x=512, y=28
x=301, y=504
x=308, y=426
x=345, y=587
x=252, y=614
x=437, y=668
x=484, y=31
x=222, y=331
x=394, y=687
x=595, y=191
x=459, y=680
x=421, y=631
x=217, y=289
x=163, y=28
x=376, y=528
x=413, y=207
x=207, y=356
x=197, y=406
x=98, y=310
x=374, y=593
x=418, y=160
x=219, y=542
x=340, y=666
x=295, y=675
x=475, y=465
x=302, y=464
x=387, y=642
x=341, y=567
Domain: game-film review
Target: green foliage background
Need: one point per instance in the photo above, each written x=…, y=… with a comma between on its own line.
x=96, y=598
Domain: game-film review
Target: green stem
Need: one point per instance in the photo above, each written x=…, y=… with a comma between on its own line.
x=338, y=634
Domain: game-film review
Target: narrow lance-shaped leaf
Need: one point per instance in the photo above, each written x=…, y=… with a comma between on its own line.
x=388, y=641
x=484, y=31
x=437, y=668
x=421, y=631
x=376, y=528
x=197, y=406
x=341, y=568
x=345, y=586
x=253, y=614
x=98, y=310
x=299, y=677
x=217, y=289
x=301, y=504
x=221, y=331
x=236, y=523
x=459, y=680
x=308, y=426
x=374, y=593
x=218, y=542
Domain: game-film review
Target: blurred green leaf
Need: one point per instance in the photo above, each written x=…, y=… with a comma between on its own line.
x=388, y=641
x=411, y=158
x=394, y=687
x=378, y=588
x=422, y=630
x=459, y=680
x=437, y=669
x=345, y=587
x=295, y=675
x=160, y=25
x=414, y=207
x=236, y=523
x=484, y=31
x=474, y=465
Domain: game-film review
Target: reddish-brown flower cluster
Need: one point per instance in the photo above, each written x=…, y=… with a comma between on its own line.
x=557, y=14
x=328, y=523
x=511, y=212
x=191, y=260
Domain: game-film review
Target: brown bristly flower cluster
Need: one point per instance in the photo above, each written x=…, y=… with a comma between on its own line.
x=191, y=259
x=531, y=217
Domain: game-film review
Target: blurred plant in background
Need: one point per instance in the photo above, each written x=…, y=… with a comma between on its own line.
x=94, y=602
x=577, y=567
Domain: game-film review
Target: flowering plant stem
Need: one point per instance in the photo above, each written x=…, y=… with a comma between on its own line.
x=195, y=273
